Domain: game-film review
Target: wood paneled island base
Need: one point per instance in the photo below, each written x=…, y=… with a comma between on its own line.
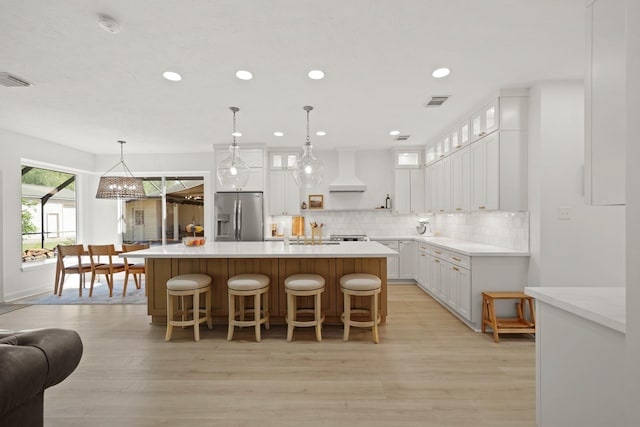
x=159, y=270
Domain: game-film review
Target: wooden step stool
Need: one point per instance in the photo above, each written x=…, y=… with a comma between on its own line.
x=518, y=325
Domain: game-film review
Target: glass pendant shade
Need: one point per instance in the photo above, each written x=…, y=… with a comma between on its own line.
x=123, y=187
x=308, y=170
x=233, y=172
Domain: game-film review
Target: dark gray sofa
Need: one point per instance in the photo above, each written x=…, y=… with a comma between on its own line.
x=30, y=362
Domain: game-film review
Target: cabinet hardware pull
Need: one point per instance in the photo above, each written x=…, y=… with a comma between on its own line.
x=441, y=210
x=482, y=207
x=423, y=247
x=456, y=259
x=456, y=268
x=422, y=255
x=458, y=209
x=441, y=155
x=437, y=260
x=438, y=252
x=458, y=146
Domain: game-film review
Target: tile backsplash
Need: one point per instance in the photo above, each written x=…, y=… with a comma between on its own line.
x=506, y=229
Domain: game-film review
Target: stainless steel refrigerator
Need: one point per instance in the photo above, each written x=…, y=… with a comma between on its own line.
x=239, y=217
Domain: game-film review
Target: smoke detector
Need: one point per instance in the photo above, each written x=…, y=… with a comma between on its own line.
x=108, y=24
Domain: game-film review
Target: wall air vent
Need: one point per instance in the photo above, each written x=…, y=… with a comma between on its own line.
x=402, y=137
x=9, y=80
x=436, y=101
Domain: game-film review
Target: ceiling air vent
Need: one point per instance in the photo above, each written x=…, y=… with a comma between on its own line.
x=10, y=80
x=436, y=101
x=402, y=137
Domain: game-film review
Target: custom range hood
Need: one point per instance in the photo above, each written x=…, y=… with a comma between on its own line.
x=347, y=181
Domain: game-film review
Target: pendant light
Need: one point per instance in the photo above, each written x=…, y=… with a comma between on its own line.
x=233, y=172
x=308, y=170
x=125, y=187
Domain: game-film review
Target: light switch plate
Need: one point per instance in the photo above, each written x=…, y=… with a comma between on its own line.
x=564, y=213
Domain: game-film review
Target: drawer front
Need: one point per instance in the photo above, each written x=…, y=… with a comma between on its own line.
x=459, y=259
x=440, y=253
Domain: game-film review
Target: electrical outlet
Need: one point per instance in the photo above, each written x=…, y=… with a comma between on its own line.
x=564, y=213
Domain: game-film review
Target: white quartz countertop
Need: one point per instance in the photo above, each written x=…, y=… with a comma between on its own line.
x=605, y=306
x=461, y=246
x=271, y=249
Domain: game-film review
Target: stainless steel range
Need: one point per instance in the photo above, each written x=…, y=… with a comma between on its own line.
x=349, y=237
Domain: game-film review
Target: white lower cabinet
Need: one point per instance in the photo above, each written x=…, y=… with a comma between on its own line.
x=457, y=280
x=460, y=290
x=392, y=261
x=423, y=266
x=406, y=259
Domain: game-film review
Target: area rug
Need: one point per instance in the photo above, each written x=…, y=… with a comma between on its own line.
x=100, y=295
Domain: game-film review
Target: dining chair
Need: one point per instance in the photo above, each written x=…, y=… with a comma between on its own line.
x=108, y=269
x=75, y=267
x=136, y=269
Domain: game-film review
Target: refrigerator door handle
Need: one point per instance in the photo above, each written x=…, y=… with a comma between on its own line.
x=239, y=229
x=235, y=220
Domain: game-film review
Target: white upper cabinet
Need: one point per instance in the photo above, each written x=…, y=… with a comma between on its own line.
x=487, y=165
x=284, y=193
x=430, y=155
x=461, y=181
x=408, y=159
x=605, y=98
x=254, y=158
x=282, y=160
x=464, y=137
x=485, y=187
x=409, y=191
x=444, y=196
x=486, y=120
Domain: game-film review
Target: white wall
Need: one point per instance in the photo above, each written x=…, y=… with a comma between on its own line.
x=17, y=148
x=588, y=249
x=632, y=356
x=374, y=167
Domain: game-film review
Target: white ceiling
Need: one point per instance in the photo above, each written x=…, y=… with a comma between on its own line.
x=91, y=88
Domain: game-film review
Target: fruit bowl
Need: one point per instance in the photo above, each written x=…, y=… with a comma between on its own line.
x=193, y=241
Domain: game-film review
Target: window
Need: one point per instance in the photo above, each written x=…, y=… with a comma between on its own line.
x=48, y=211
x=141, y=220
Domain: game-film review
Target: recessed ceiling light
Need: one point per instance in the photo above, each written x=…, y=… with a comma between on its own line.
x=321, y=133
x=441, y=72
x=244, y=75
x=278, y=134
x=173, y=76
x=394, y=132
x=316, y=74
x=236, y=133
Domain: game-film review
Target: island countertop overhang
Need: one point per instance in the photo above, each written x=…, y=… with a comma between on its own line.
x=267, y=249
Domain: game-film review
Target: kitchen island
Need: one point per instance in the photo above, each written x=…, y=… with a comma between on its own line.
x=277, y=260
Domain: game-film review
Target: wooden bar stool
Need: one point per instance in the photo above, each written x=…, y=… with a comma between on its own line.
x=517, y=325
x=248, y=285
x=192, y=285
x=302, y=285
x=361, y=284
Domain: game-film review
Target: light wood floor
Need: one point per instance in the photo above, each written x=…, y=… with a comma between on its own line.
x=428, y=370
